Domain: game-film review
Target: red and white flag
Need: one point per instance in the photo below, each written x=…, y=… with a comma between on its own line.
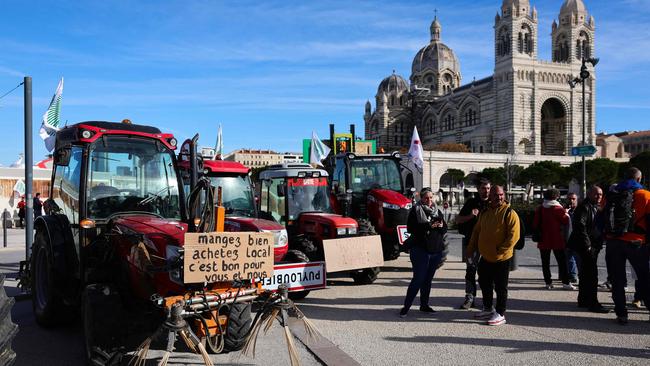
x=416, y=153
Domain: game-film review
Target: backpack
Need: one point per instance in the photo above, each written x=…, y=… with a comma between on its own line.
x=522, y=230
x=619, y=212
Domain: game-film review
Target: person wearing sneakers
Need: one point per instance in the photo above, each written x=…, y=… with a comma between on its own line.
x=427, y=226
x=494, y=236
x=627, y=229
x=587, y=240
x=466, y=219
x=549, y=219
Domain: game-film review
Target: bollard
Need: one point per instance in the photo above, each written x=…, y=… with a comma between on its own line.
x=5, y=213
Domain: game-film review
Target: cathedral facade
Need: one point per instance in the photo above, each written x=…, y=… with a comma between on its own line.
x=526, y=107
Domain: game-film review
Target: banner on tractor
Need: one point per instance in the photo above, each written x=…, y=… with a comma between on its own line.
x=358, y=252
x=226, y=256
x=297, y=276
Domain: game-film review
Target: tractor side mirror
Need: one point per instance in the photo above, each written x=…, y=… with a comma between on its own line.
x=281, y=191
x=62, y=156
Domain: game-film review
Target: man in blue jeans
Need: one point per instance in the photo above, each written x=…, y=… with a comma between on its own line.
x=628, y=243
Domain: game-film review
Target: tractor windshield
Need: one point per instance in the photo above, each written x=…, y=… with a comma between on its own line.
x=237, y=195
x=372, y=173
x=307, y=195
x=131, y=174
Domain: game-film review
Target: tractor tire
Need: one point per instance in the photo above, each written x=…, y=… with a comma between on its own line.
x=390, y=247
x=239, y=325
x=305, y=245
x=365, y=276
x=365, y=228
x=47, y=302
x=296, y=256
x=101, y=307
x=8, y=329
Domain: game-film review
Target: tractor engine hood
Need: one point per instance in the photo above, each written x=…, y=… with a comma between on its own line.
x=154, y=226
x=327, y=219
x=238, y=223
x=391, y=197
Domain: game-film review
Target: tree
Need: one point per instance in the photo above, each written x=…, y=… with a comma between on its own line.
x=497, y=176
x=601, y=171
x=642, y=162
x=545, y=173
x=450, y=147
x=453, y=177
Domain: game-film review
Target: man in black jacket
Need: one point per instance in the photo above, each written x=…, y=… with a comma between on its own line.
x=587, y=241
x=466, y=219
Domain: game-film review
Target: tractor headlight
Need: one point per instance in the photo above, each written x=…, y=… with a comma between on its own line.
x=390, y=206
x=352, y=231
x=408, y=206
x=340, y=231
x=283, y=238
x=173, y=255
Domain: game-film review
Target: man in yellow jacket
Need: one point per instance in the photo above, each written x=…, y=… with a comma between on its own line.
x=495, y=236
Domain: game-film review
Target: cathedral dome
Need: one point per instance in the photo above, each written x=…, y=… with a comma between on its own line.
x=393, y=84
x=435, y=56
x=573, y=6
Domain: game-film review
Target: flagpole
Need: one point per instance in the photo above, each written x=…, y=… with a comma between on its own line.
x=29, y=169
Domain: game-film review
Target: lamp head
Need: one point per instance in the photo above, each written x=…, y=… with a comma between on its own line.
x=593, y=61
x=574, y=82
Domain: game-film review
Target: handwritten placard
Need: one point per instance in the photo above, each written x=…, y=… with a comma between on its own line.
x=227, y=256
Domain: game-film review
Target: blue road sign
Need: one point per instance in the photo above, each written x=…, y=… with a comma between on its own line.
x=587, y=150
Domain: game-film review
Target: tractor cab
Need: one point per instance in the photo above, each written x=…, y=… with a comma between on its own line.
x=238, y=199
x=377, y=191
x=298, y=196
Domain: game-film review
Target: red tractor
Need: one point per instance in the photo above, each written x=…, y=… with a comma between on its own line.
x=238, y=199
x=112, y=243
x=370, y=189
x=297, y=196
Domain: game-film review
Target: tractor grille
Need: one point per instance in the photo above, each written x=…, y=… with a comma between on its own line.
x=393, y=218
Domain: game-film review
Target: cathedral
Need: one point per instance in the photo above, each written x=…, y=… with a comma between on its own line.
x=528, y=105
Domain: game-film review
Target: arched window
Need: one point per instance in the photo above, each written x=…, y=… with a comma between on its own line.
x=583, y=49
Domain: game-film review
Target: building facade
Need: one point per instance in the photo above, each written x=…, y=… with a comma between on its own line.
x=526, y=107
x=252, y=158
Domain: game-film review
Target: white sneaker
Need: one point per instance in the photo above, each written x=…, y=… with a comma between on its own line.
x=496, y=319
x=569, y=287
x=485, y=314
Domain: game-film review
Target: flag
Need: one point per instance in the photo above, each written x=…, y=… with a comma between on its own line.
x=318, y=150
x=415, y=151
x=50, y=122
x=18, y=190
x=218, y=147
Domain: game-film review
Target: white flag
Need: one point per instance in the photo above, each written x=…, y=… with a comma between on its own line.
x=318, y=150
x=19, y=190
x=218, y=147
x=51, y=118
x=415, y=151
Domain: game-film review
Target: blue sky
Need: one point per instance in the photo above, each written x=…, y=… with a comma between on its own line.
x=271, y=72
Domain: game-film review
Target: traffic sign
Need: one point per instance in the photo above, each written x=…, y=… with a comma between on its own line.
x=586, y=150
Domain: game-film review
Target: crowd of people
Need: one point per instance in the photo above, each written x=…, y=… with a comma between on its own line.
x=616, y=218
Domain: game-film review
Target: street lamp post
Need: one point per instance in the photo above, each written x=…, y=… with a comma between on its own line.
x=584, y=75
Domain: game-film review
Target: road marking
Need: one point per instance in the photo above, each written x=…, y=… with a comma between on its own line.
x=325, y=351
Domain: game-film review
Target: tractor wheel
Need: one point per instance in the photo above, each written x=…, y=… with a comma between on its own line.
x=390, y=247
x=100, y=315
x=365, y=276
x=8, y=329
x=47, y=303
x=365, y=228
x=306, y=246
x=296, y=256
x=239, y=325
